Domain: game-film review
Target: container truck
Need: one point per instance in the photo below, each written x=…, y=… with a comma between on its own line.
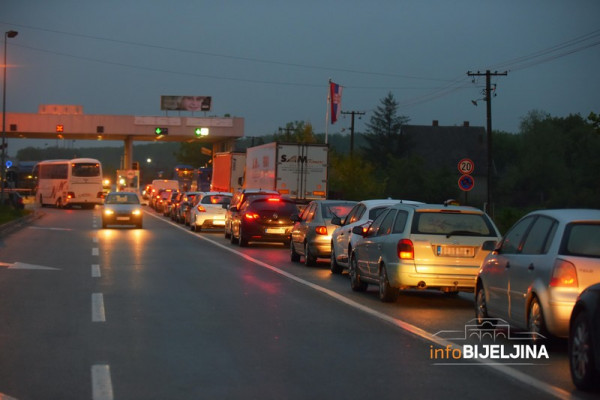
x=227, y=171
x=298, y=171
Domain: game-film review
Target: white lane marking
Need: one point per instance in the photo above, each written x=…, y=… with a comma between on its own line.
x=42, y=228
x=20, y=265
x=95, y=251
x=101, y=382
x=5, y=397
x=98, y=313
x=415, y=330
x=95, y=272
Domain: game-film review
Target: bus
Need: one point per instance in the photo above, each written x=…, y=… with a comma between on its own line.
x=184, y=174
x=64, y=183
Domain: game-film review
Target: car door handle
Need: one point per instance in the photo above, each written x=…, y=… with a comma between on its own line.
x=531, y=267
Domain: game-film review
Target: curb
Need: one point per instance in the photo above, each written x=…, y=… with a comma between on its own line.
x=12, y=226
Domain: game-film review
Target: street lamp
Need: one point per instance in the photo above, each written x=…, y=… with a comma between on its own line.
x=9, y=34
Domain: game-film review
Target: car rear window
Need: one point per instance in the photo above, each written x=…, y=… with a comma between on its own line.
x=451, y=223
x=279, y=205
x=582, y=239
x=215, y=199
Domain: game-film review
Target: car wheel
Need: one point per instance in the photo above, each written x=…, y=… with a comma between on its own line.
x=58, y=203
x=226, y=233
x=232, y=237
x=481, y=312
x=309, y=258
x=294, y=257
x=355, y=283
x=581, y=354
x=333, y=265
x=242, y=240
x=535, y=322
x=387, y=293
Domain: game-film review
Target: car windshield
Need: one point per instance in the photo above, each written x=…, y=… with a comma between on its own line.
x=122, y=199
x=85, y=169
x=340, y=210
x=451, y=223
x=582, y=239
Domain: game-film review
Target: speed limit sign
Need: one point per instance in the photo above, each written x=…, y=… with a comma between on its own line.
x=466, y=166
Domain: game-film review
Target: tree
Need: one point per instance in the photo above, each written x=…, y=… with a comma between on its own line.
x=351, y=178
x=191, y=153
x=384, y=133
x=296, y=132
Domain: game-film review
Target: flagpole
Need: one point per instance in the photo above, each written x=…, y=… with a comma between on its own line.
x=327, y=112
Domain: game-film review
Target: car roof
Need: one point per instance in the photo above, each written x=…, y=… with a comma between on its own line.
x=423, y=207
x=215, y=193
x=383, y=202
x=570, y=214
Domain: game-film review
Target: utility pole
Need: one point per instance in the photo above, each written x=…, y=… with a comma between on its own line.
x=353, y=113
x=287, y=130
x=488, y=100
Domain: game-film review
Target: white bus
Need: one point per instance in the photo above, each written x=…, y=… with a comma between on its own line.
x=65, y=183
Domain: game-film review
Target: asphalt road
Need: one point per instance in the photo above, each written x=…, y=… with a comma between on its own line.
x=164, y=313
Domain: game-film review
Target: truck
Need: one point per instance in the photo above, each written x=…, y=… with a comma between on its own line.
x=295, y=170
x=227, y=171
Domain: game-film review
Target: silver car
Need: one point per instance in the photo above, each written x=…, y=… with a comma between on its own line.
x=311, y=234
x=342, y=238
x=533, y=277
x=424, y=246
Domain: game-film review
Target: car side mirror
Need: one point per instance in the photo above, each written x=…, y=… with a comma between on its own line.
x=489, y=245
x=359, y=230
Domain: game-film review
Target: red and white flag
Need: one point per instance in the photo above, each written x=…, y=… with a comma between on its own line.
x=335, y=99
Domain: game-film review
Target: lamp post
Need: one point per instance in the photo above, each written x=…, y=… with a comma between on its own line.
x=9, y=34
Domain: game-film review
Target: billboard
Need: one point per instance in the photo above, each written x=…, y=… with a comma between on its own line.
x=185, y=103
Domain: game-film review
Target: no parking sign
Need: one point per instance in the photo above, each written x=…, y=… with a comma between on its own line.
x=466, y=183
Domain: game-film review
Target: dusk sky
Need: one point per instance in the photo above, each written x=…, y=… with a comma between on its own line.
x=270, y=61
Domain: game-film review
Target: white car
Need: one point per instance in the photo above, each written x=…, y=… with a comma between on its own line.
x=343, y=240
x=209, y=211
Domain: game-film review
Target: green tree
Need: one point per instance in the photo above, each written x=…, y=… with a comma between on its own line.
x=384, y=133
x=351, y=178
x=191, y=153
x=296, y=132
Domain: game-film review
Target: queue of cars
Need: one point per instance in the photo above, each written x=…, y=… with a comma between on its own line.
x=542, y=276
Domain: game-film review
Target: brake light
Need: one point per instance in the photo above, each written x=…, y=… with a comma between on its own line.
x=200, y=208
x=252, y=216
x=564, y=274
x=274, y=199
x=405, y=249
x=321, y=230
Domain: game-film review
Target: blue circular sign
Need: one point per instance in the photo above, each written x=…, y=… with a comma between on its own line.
x=466, y=182
x=8, y=164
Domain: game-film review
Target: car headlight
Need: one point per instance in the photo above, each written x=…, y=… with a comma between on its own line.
x=137, y=212
x=108, y=211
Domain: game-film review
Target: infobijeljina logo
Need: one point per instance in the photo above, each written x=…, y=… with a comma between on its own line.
x=490, y=341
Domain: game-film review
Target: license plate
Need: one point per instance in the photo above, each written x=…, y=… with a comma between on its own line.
x=122, y=218
x=218, y=222
x=275, y=230
x=455, y=251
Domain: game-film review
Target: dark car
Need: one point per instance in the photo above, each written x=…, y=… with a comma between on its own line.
x=122, y=208
x=584, y=339
x=264, y=219
x=238, y=200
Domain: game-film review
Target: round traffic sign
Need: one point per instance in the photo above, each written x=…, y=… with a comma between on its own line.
x=466, y=182
x=466, y=166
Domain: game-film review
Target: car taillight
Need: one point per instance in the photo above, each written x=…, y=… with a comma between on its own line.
x=70, y=195
x=564, y=274
x=321, y=230
x=200, y=208
x=251, y=216
x=406, y=250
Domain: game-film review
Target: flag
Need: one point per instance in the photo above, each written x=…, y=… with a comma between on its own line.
x=335, y=98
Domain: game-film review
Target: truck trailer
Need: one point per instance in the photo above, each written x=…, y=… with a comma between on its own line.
x=227, y=171
x=297, y=171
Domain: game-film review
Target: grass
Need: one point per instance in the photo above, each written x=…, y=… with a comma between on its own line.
x=8, y=213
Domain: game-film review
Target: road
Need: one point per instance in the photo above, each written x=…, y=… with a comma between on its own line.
x=165, y=313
